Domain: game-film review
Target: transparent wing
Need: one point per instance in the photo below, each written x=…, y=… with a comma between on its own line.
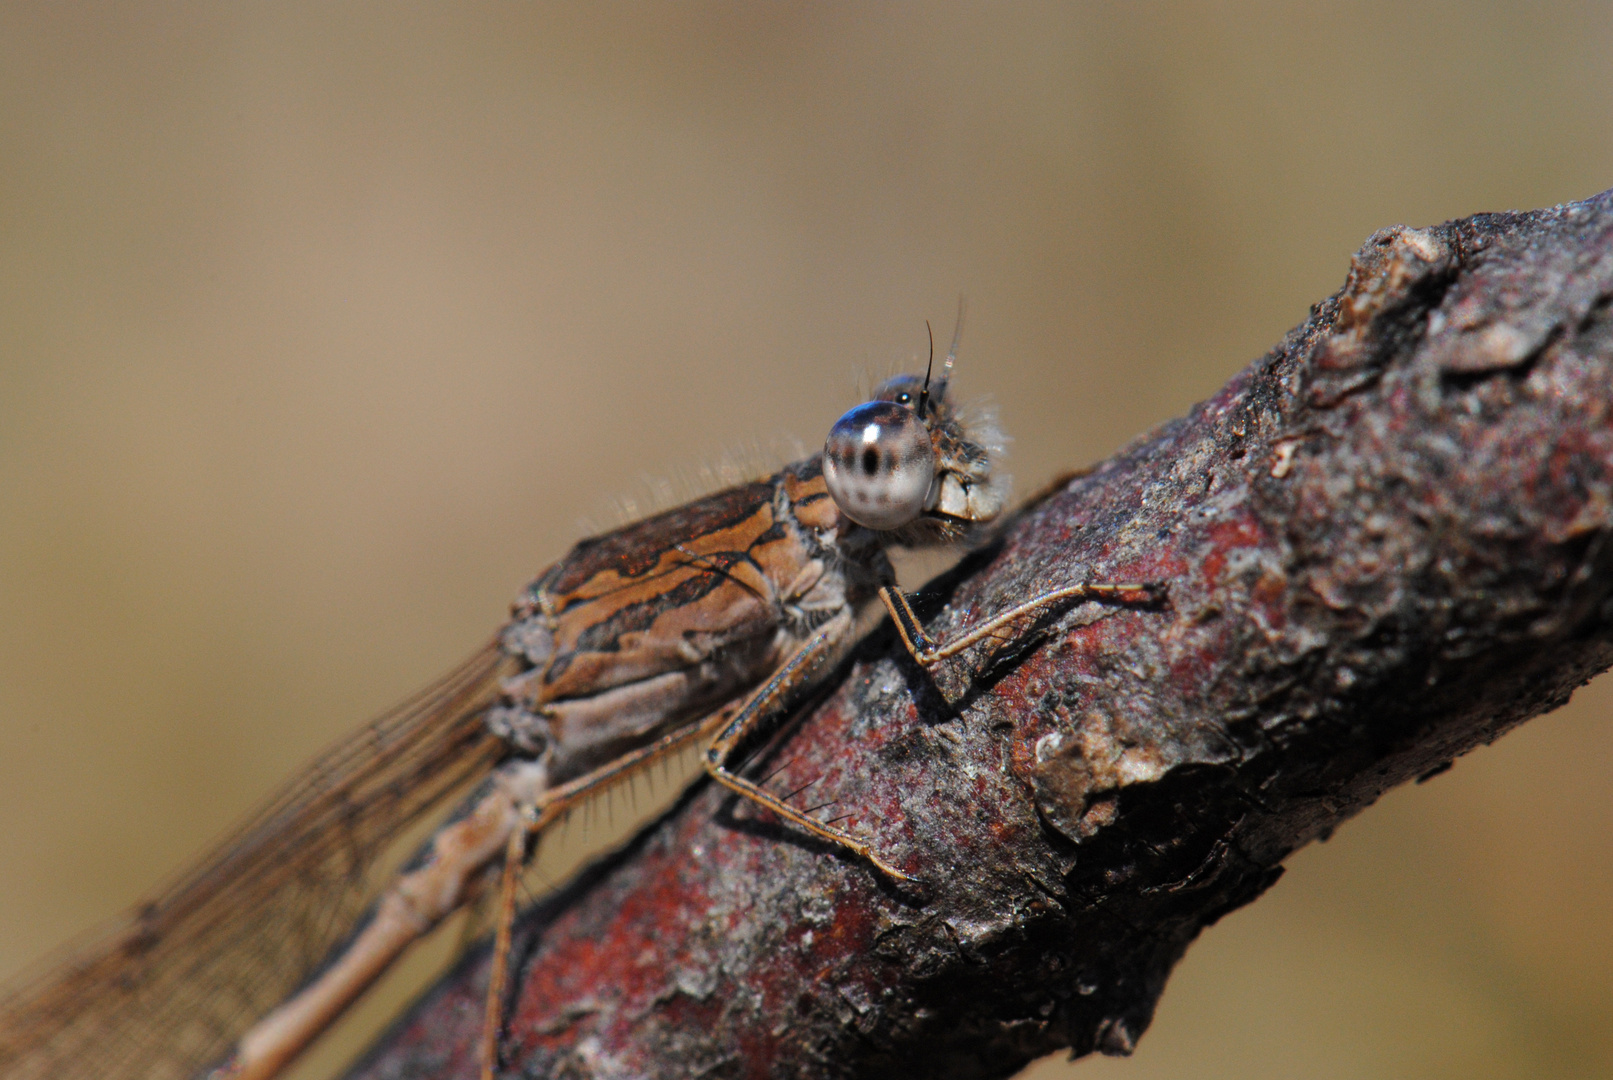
x=167, y=990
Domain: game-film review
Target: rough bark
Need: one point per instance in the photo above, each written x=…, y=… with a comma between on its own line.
x=1384, y=544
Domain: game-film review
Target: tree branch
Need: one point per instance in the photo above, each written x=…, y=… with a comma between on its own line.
x=1385, y=543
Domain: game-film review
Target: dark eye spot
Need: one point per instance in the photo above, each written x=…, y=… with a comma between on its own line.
x=904, y=398
x=870, y=461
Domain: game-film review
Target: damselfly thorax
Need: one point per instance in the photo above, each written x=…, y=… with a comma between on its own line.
x=699, y=625
x=640, y=631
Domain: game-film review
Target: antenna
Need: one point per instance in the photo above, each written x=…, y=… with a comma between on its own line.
x=924, y=394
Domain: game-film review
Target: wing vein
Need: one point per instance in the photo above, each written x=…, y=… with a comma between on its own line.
x=166, y=990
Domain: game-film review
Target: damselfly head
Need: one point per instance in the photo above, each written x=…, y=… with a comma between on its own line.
x=906, y=461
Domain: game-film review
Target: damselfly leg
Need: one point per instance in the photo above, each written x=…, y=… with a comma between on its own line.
x=534, y=819
x=797, y=672
x=928, y=653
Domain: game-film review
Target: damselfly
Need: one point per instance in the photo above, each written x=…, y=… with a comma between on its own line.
x=700, y=624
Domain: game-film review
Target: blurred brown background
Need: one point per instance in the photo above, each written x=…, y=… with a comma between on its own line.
x=321, y=329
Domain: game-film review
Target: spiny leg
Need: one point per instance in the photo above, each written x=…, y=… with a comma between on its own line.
x=766, y=703
x=515, y=856
x=535, y=819
x=928, y=653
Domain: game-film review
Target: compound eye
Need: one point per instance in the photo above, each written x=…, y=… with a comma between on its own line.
x=879, y=464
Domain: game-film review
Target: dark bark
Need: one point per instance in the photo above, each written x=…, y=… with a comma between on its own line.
x=1384, y=544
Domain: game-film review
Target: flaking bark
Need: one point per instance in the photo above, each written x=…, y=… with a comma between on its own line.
x=1385, y=542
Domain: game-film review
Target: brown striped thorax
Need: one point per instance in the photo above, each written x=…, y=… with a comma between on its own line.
x=641, y=630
